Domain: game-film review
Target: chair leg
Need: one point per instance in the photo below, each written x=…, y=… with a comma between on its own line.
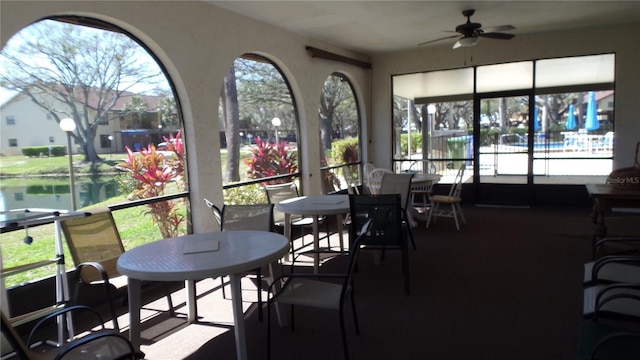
x=464, y=221
x=355, y=313
x=455, y=216
x=224, y=295
x=259, y=275
x=268, y=329
x=343, y=332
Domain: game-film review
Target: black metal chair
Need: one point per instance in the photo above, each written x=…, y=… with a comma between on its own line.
x=308, y=290
x=388, y=231
x=97, y=344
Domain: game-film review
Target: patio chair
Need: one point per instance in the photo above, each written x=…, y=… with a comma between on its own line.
x=617, y=245
x=619, y=300
x=257, y=217
x=280, y=192
x=599, y=340
x=453, y=199
x=388, y=230
x=374, y=180
x=612, y=269
x=98, y=344
x=400, y=184
x=308, y=290
x=95, y=246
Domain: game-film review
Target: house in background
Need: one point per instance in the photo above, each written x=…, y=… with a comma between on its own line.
x=24, y=123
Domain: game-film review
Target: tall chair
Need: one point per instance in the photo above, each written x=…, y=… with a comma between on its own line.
x=98, y=344
x=400, y=184
x=257, y=217
x=308, y=290
x=388, y=230
x=95, y=246
x=453, y=199
x=374, y=180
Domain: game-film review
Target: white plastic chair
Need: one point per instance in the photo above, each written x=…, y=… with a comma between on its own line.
x=375, y=180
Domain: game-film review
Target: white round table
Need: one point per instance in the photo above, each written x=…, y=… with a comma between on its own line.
x=199, y=256
x=315, y=206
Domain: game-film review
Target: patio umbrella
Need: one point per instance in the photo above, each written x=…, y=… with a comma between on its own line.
x=571, y=119
x=536, y=124
x=591, y=123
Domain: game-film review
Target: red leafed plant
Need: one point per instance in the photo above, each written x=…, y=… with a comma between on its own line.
x=151, y=173
x=270, y=160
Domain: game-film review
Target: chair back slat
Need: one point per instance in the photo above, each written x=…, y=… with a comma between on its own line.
x=278, y=193
x=456, y=187
x=397, y=184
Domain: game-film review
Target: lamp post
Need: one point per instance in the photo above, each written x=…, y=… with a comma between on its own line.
x=110, y=147
x=276, y=122
x=68, y=125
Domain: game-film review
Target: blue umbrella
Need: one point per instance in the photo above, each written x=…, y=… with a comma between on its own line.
x=536, y=124
x=571, y=119
x=591, y=123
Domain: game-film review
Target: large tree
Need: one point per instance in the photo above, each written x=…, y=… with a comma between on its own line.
x=77, y=72
x=337, y=109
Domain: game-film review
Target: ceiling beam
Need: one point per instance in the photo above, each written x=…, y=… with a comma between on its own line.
x=322, y=54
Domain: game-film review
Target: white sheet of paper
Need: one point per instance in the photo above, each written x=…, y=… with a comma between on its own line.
x=194, y=247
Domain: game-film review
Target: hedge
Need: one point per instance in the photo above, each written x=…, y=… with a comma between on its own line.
x=37, y=151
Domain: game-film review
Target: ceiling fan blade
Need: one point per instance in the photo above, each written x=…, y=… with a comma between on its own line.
x=444, y=38
x=498, y=28
x=496, y=35
x=457, y=45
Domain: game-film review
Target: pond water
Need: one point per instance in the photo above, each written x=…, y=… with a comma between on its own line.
x=56, y=194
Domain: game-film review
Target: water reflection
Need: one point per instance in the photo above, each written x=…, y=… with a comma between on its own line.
x=55, y=194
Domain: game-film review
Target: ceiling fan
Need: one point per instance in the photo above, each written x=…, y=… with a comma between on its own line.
x=472, y=32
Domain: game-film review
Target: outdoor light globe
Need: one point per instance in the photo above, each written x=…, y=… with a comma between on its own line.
x=431, y=109
x=276, y=122
x=67, y=125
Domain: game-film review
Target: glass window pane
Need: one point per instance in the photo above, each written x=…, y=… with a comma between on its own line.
x=502, y=77
x=258, y=128
x=433, y=84
x=579, y=70
x=339, y=134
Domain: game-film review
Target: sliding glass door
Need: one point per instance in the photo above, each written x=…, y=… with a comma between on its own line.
x=503, y=152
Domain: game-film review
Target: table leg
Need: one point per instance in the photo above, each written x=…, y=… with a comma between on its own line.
x=316, y=245
x=238, y=317
x=192, y=308
x=133, y=287
x=340, y=229
x=287, y=232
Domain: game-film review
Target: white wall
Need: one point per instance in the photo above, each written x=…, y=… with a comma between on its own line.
x=197, y=43
x=612, y=39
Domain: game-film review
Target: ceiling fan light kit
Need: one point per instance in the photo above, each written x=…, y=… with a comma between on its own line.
x=468, y=41
x=470, y=32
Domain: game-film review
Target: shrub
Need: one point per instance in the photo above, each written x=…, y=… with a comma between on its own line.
x=36, y=151
x=149, y=176
x=270, y=160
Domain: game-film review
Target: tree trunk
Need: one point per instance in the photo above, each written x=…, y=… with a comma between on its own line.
x=232, y=129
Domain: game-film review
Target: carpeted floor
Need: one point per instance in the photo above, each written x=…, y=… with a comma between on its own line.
x=506, y=286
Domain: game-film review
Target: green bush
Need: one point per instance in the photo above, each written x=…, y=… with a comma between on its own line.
x=345, y=151
x=416, y=142
x=245, y=195
x=37, y=151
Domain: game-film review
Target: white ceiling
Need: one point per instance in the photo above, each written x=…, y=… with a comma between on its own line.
x=374, y=27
